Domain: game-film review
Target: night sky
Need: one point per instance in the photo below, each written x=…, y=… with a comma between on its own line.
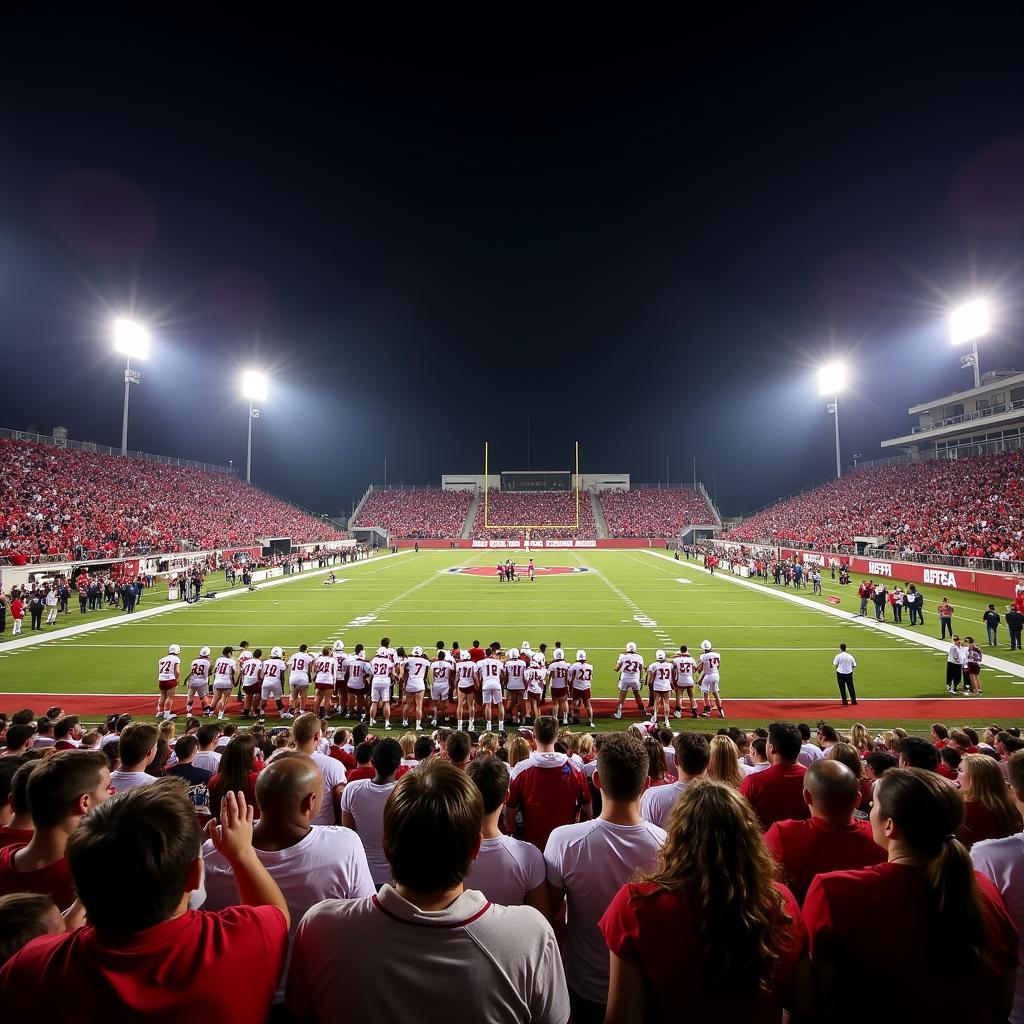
x=642, y=236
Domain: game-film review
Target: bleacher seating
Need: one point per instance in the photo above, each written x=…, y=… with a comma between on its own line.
x=67, y=502
x=650, y=512
x=970, y=507
x=543, y=507
x=416, y=514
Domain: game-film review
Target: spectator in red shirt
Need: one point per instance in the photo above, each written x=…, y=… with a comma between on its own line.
x=61, y=790
x=723, y=914
x=363, y=768
x=144, y=955
x=831, y=839
x=17, y=615
x=17, y=739
x=777, y=793
x=949, y=763
x=930, y=878
x=547, y=789
x=939, y=736
x=18, y=828
x=989, y=813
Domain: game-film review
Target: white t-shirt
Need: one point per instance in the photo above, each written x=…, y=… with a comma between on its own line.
x=502, y=961
x=326, y=864
x=129, y=780
x=809, y=753
x=629, y=666
x=333, y=772
x=365, y=801
x=505, y=870
x=591, y=861
x=489, y=673
x=1002, y=861
x=168, y=667
x=209, y=760
x=657, y=803
x=844, y=662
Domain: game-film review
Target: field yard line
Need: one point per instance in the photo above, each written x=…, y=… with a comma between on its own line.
x=859, y=620
x=170, y=606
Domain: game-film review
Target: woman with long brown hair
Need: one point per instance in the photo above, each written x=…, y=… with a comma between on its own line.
x=657, y=765
x=930, y=878
x=714, y=892
x=988, y=810
x=236, y=773
x=725, y=762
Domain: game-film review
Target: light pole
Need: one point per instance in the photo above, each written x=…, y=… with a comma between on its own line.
x=254, y=388
x=968, y=323
x=832, y=380
x=131, y=339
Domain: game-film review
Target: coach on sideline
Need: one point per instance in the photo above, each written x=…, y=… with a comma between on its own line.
x=845, y=663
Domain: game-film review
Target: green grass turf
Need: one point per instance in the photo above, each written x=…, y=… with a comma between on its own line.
x=770, y=648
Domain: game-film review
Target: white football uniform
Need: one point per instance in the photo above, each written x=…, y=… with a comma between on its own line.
x=581, y=674
x=251, y=674
x=273, y=678
x=489, y=673
x=198, y=676
x=465, y=672
x=224, y=673
x=380, y=686
x=684, y=667
x=298, y=668
x=660, y=674
x=324, y=671
x=441, y=679
x=558, y=673
x=357, y=667
x=515, y=674
x=166, y=668
x=535, y=680
x=709, y=663
x=629, y=667
x=416, y=674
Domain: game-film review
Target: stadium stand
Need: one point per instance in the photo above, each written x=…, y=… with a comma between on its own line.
x=62, y=502
x=527, y=507
x=650, y=512
x=967, y=507
x=416, y=513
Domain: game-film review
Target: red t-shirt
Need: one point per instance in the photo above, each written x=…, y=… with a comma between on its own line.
x=547, y=796
x=477, y=654
x=635, y=929
x=53, y=880
x=339, y=754
x=9, y=836
x=803, y=849
x=160, y=975
x=980, y=823
x=777, y=793
x=842, y=912
x=368, y=772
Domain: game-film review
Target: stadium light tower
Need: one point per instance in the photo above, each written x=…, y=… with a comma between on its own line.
x=254, y=387
x=131, y=339
x=832, y=380
x=968, y=323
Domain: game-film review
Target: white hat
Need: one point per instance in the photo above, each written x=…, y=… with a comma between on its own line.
x=631, y=647
x=558, y=655
x=525, y=645
x=204, y=652
x=417, y=652
x=581, y=655
x=464, y=656
x=538, y=660
x=174, y=649
x=660, y=655
x=705, y=645
x=276, y=652
x=514, y=653
x=338, y=645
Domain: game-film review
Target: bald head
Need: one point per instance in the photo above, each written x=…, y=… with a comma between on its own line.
x=284, y=786
x=831, y=789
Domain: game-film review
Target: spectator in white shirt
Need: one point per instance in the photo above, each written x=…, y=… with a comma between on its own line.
x=587, y=864
x=307, y=737
x=809, y=752
x=758, y=756
x=137, y=749
x=309, y=862
x=506, y=870
x=207, y=757
x=428, y=935
x=692, y=756
x=362, y=806
x=1002, y=861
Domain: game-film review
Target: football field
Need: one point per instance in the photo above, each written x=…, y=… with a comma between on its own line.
x=774, y=650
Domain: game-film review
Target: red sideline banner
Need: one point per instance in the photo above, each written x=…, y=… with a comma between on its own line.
x=951, y=577
x=535, y=545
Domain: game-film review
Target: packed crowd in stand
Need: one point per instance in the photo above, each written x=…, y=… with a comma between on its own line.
x=535, y=507
x=653, y=513
x=965, y=507
x=62, y=502
x=421, y=513
x=139, y=861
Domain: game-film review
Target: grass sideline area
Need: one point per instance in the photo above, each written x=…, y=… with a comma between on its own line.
x=596, y=600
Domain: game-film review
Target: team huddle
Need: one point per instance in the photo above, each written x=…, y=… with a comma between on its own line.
x=513, y=683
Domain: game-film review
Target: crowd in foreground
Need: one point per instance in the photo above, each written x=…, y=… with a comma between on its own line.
x=614, y=877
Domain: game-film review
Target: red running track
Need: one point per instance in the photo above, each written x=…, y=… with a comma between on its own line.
x=96, y=706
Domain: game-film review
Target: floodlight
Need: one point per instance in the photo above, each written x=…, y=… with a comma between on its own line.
x=131, y=339
x=831, y=379
x=254, y=386
x=969, y=322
